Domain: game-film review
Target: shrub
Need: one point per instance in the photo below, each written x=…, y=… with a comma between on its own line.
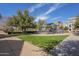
x=51, y=44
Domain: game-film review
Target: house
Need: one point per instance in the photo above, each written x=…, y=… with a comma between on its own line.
x=70, y=23
x=56, y=27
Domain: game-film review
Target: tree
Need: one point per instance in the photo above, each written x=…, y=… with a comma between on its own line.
x=22, y=20
x=65, y=28
x=76, y=25
x=40, y=24
x=26, y=21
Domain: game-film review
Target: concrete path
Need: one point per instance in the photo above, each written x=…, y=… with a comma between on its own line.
x=69, y=47
x=49, y=34
x=2, y=32
x=13, y=46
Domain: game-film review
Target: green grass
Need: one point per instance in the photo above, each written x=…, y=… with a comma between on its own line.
x=46, y=42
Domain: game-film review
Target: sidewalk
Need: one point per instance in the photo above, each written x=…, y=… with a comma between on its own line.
x=49, y=34
x=69, y=47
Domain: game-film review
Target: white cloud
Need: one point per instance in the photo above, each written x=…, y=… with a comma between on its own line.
x=53, y=8
x=33, y=8
x=57, y=18
x=41, y=18
x=72, y=18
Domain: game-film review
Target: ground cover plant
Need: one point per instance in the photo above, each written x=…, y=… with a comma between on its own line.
x=46, y=42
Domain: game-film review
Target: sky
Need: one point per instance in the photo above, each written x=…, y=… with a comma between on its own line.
x=50, y=12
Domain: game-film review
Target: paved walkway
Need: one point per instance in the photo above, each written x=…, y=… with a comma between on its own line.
x=49, y=34
x=13, y=46
x=69, y=47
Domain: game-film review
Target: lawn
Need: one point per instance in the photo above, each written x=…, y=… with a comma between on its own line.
x=46, y=42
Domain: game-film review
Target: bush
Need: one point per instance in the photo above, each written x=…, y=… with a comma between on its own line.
x=65, y=28
x=51, y=44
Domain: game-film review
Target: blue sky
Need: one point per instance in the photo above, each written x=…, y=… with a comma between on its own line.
x=49, y=12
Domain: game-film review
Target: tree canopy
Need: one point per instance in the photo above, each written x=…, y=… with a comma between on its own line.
x=22, y=20
x=76, y=25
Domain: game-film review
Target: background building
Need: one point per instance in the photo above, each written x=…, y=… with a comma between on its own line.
x=70, y=23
